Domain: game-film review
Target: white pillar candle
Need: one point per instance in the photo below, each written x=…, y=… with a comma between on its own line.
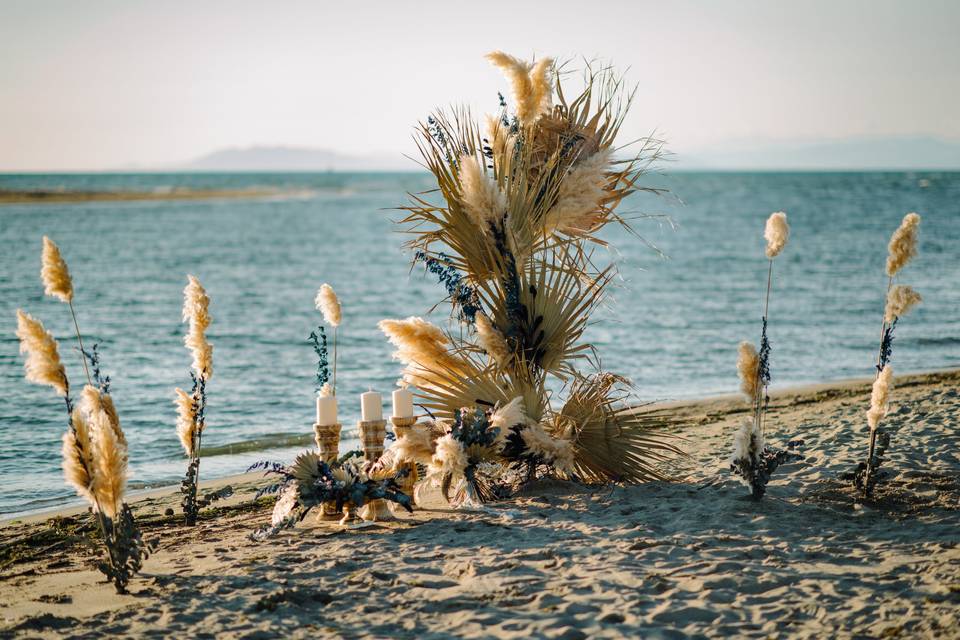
x=402, y=403
x=371, y=406
x=326, y=410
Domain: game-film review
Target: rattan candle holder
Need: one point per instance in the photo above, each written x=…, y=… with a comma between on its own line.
x=328, y=443
x=402, y=428
x=373, y=433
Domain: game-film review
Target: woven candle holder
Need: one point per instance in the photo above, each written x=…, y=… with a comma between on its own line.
x=373, y=433
x=402, y=428
x=328, y=442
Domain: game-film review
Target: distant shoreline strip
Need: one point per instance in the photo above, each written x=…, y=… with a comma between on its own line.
x=58, y=196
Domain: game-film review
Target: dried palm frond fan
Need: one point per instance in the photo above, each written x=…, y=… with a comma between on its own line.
x=511, y=237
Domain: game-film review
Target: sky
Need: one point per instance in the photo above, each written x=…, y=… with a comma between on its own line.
x=97, y=85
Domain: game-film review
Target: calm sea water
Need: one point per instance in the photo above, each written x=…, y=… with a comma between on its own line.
x=672, y=326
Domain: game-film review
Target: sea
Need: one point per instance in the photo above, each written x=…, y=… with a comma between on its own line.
x=692, y=275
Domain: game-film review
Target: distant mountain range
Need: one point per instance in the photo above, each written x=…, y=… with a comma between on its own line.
x=894, y=153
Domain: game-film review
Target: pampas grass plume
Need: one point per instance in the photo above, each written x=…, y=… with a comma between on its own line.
x=481, y=197
x=110, y=458
x=196, y=312
x=417, y=340
x=557, y=451
x=186, y=423
x=449, y=457
x=880, y=396
x=748, y=442
x=900, y=300
x=109, y=450
x=329, y=305
x=506, y=417
x=42, y=365
x=580, y=195
x=77, y=457
x=903, y=244
x=99, y=406
x=776, y=233
x=748, y=367
x=492, y=341
x=530, y=84
x=54, y=272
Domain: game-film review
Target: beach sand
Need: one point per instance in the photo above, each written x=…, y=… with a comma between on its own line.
x=696, y=557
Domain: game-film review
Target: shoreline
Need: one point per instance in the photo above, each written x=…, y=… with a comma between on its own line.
x=694, y=556
x=714, y=407
x=41, y=196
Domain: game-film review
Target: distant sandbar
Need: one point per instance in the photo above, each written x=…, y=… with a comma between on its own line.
x=43, y=196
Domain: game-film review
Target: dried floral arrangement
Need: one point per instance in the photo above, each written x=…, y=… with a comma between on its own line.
x=510, y=233
x=752, y=460
x=309, y=482
x=192, y=407
x=94, y=446
x=899, y=300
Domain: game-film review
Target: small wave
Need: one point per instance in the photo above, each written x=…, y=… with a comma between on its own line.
x=926, y=341
x=263, y=443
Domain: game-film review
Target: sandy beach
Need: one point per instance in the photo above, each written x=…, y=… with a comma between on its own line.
x=691, y=558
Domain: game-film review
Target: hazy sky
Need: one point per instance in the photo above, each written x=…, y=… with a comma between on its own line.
x=92, y=85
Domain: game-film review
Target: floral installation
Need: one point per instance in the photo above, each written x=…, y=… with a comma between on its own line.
x=752, y=459
x=309, y=482
x=192, y=406
x=94, y=446
x=898, y=301
x=510, y=232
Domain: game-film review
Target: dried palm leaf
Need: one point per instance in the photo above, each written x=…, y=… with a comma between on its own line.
x=613, y=441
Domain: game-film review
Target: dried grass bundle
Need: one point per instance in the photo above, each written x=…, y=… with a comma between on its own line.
x=880, y=397
x=196, y=313
x=42, y=365
x=540, y=185
x=900, y=299
x=54, y=272
x=903, y=244
x=748, y=368
x=776, y=233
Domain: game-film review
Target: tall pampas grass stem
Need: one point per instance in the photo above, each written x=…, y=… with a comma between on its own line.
x=328, y=304
x=58, y=283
